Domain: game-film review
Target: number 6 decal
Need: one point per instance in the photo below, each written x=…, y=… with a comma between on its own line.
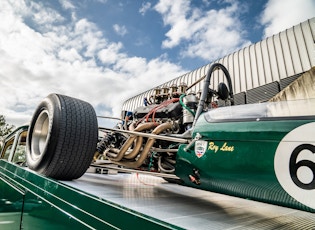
x=294, y=164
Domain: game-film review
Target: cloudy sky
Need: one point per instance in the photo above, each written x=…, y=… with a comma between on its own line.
x=105, y=51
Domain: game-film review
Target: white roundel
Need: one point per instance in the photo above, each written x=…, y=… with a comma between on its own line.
x=294, y=164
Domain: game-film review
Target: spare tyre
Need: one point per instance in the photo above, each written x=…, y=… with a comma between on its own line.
x=62, y=137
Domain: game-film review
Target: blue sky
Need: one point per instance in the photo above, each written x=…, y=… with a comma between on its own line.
x=105, y=51
x=142, y=26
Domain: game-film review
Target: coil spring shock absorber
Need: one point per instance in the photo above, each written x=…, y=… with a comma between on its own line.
x=114, y=140
x=105, y=143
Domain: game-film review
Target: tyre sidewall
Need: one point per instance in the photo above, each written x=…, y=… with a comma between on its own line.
x=40, y=161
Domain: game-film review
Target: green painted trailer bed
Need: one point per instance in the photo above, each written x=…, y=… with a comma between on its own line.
x=31, y=201
x=130, y=201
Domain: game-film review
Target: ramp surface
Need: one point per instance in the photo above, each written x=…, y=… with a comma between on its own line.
x=190, y=208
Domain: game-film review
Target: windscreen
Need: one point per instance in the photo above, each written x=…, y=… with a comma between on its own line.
x=263, y=110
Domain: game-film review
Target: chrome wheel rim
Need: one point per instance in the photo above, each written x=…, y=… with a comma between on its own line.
x=40, y=134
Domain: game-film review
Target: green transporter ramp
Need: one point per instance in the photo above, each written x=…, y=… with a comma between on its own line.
x=31, y=201
x=130, y=201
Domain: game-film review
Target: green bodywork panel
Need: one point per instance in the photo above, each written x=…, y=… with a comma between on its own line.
x=11, y=206
x=238, y=159
x=43, y=203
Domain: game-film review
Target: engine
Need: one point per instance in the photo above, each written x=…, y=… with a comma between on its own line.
x=146, y=137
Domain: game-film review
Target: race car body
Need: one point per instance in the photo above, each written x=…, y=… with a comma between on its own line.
x=255, y=152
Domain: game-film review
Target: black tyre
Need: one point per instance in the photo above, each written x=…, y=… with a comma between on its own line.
x=62, y=137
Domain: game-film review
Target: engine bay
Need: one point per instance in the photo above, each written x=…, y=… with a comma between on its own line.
x=170, y=112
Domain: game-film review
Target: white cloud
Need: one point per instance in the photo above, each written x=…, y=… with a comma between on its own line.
x=66, y=4
x=44, y=16
x=144, y=8
x=206, y=34
x=174, y=14
x=111, y=54
x=101, y=1
x=70, y=55
x=281, y=15
x=120, y=30
x=73, y=58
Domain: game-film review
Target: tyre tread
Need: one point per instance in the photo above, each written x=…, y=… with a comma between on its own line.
x=77, y=139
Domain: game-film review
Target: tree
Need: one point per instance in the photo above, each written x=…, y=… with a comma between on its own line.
x=4, y=128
